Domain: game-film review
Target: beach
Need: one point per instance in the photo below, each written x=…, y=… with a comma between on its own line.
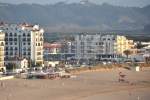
x=100, y=85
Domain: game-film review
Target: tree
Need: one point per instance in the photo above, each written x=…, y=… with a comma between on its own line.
x=127, y=53
x=139, y=45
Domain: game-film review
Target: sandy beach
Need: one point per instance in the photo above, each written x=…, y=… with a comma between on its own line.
x=101, y=85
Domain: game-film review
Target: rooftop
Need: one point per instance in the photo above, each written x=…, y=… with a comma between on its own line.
x=52, y=45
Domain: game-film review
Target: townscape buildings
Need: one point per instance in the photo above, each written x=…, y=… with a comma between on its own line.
x=100, y=46
x=87, y=46
x=23, y=41
x=23, y=45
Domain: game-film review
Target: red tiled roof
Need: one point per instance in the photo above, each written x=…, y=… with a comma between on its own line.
x=53, y=45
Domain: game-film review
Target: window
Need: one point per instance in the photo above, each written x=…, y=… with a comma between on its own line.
x=10, y=34
x=11, y=53
x=15, y=39
x=10, y=39
x=6, y=53
x=28, y=35
x=11, y=48
x=24, y=34
x=11, y=43
x=29, y=49
x=29, y=43
x=15, y=53
x=38, y=53
x=41, y=39
x=15, y=34
x=24, y=48
x=24, y=39
x=24, y=43
x=24, y=53
x=29, y=53
x=28, y=39
x=101, y=43
x=6, y=34
x=6, y=39
x=2, y=44
x=41, y=34
x=6, y=48
x=16, y=48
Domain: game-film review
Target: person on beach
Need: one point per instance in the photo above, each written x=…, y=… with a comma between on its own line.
x=121, y=77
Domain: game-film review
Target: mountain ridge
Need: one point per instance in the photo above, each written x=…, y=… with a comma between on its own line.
x=74, y=17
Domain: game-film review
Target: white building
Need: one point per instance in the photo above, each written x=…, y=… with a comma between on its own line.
x=109, y=44
x=95, y=46
x=18, y=63
x=2, y=53
x=23, y=41
x=51, y=63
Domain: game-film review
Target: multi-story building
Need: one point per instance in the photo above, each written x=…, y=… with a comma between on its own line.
x=95, y=46
x=87, y=45
x=123, y=44
x=52, y=51
x=23, y=41
x=101, y=46
x=68, y=50
x=59, y=51
x=2, y=48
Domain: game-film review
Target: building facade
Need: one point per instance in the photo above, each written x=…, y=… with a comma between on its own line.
x=52, y=51
x=18, y=63
x=58, y=51
x=123, y=44
x=95, y=46
x=101, y=46
x=23, y=41
x=2, y=52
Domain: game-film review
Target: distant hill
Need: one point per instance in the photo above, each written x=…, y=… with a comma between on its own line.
x=76, y=17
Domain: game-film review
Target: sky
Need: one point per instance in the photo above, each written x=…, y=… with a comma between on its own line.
x=133, y=3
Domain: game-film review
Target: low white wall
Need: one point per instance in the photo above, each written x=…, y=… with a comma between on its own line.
x=6, y=77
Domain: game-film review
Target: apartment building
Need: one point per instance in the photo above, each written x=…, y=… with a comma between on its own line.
x=95, y=46
x=52, y=51
x=68, y=50
x=2, y=53
x=23, y=41
x=57, y=51
x=123, y=44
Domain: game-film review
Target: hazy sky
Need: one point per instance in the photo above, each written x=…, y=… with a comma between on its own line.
x=114, y=2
